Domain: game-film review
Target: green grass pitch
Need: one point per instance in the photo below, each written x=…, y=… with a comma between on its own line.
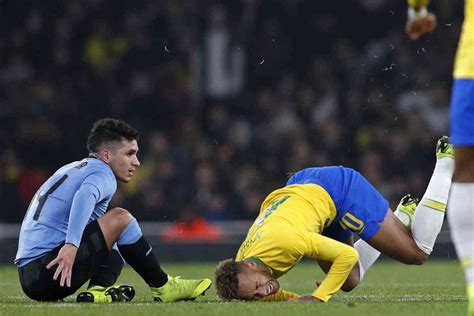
x=389, y=288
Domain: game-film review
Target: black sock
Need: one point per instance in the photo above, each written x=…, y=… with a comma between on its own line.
x=140, y=256
x=108, y=273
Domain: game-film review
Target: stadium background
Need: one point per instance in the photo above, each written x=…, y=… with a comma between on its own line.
x=228, y=96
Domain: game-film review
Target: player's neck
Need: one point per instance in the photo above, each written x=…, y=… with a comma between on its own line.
x=94, y=155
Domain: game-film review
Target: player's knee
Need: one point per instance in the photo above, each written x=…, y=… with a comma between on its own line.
x=121, y=217
x=416, y=257
x=419, y=260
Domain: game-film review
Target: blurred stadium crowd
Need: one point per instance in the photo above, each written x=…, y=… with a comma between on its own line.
x=227, y=96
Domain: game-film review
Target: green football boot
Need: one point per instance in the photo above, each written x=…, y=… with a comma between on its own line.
x=177, y=289
x=444, y=149
x=408, y=205
x=100, y=294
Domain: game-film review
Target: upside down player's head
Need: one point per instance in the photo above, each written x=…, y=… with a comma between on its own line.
x=244, y=280
x=115, y=143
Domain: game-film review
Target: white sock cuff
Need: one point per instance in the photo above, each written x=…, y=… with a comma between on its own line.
x=426, y=249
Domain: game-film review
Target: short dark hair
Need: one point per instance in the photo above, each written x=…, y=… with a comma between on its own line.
x=108, y=130
x=226, y=277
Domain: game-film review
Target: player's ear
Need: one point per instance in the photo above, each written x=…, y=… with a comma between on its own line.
x=105, y=155
x=250, y=264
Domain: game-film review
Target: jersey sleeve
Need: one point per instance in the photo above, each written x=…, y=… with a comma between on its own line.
x=281, y=295
x=94, y=188
x=342, y=256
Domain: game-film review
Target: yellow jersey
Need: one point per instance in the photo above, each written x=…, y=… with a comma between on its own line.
x=289, y=227
x=464, y=62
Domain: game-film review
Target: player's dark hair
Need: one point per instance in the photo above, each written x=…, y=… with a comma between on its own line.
x=227, y=282
x=109, y=130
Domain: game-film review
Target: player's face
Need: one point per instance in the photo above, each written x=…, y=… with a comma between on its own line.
x=256, y=283
x=123, y=160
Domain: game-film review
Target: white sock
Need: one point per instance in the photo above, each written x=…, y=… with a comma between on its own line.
x=429, y=214
x=461, y=223
x=368, y=254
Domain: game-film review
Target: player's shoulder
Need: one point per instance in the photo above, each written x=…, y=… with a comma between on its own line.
x=93, y=165
x=85, y=167
x=99, y=174
x=91, y=170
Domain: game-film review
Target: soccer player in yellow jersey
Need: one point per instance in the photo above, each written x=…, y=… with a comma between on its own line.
x=461, y=200
x=314, y=216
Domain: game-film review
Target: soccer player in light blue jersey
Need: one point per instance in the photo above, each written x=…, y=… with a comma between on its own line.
x=68, y=235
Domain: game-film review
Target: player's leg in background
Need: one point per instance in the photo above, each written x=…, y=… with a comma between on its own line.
x=429, y=214
x=393, y=239
x=461, y=199
x=461, y=215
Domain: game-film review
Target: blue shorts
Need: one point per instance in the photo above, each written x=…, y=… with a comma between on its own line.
x=337, y=232
x=462, y=112
x=360, y=207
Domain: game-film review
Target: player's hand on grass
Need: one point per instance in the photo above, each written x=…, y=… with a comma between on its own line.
x=306, y=298
x=64, y=261
x=417, y=26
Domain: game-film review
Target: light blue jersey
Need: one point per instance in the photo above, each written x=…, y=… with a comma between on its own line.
x=73, y=196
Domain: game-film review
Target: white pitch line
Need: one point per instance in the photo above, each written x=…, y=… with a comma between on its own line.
x=404, y=298
x=81, y=305
x=431, y=285
x=347, y=299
